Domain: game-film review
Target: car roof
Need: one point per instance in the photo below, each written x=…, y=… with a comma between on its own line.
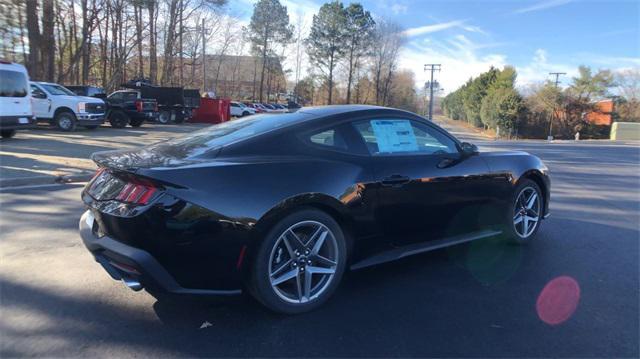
x=330, y=110
x=12, y=66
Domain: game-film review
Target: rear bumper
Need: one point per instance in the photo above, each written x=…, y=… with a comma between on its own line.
x=17, y=122
x=133, y=265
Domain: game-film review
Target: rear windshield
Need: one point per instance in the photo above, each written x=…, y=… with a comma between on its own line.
x=13, y=84
x=216, y=136
x=57, y=90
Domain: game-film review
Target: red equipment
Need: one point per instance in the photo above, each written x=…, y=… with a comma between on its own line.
x=212, y=110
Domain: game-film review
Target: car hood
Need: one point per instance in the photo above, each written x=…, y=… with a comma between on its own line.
x=79, y=99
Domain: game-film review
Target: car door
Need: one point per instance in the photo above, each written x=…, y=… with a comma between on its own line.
x=41, y=102
x=427, y=187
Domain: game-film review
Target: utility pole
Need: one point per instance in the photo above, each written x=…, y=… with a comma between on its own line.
x=432, y=68
x=557, y=75
x=204, y=61
x=557, y=82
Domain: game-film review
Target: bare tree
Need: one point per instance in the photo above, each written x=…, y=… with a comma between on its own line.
x=388, y=41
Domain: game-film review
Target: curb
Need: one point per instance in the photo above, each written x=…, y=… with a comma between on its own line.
x=44, y=180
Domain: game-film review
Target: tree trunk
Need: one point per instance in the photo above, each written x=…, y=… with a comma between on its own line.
x=153, y=56
x=167, y=68
x=350, y=77
x=180, y=50
x=48, y=47
x=264, y=58
x=138, y=20
x=34, y=64
x=25, y=59
x=329, y=101
x=86, y=41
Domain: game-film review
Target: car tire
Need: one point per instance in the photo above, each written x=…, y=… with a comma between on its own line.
x=118, y=119
x=321, y=257
x=164, y=117
x=245, y=114
x=7, y=133
x=525, y=211
x=65, y=121
x=136, y=122
x=91, y=127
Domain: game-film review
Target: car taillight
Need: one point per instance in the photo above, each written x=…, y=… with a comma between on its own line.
x=139, y=105
x=156, y=107
x=137, y=192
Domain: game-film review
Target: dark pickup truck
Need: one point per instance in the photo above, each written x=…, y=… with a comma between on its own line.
x=127, y=107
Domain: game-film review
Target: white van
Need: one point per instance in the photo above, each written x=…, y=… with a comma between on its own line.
x=16, y=112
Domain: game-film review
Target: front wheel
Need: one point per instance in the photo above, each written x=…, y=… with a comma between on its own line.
x=300, y=263
x=7, y=133
x=65, y=121
x=136, y=122
x=118, y=119
x=526, y=212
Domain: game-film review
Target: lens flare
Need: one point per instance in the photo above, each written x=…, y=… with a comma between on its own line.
x=558, y=300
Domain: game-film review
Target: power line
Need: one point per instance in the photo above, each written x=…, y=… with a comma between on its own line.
x=432, y=68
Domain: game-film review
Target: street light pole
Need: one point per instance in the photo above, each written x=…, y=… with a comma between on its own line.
x=432, y=68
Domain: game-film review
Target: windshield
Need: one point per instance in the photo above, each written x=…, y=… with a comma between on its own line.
x=57, y=90
x=216, y=136
x=13, y=84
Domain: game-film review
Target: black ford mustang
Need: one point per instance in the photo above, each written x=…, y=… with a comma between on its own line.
x=281, y=204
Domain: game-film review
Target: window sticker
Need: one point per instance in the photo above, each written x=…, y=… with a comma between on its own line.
x=394, y=136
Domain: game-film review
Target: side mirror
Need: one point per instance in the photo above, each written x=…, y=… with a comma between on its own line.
x=469, y=148
x=38, y=95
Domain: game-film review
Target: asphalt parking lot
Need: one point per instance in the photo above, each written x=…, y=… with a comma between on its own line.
x=42, y=155
x=480, y=300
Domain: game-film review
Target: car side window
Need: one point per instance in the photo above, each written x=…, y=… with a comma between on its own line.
x=385, y=137
x=331, y=138
x=116, y=96
x=130, y=96
x=37, y=93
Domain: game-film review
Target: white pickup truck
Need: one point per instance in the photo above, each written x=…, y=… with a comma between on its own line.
x=62, y=108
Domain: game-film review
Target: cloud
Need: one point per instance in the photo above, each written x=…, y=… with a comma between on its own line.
x=428, y=29
x=538, y=69
x=542, y=6
x=399, y=9
x=459, y=58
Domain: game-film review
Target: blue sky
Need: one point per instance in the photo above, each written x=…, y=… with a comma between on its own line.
x=537, y=37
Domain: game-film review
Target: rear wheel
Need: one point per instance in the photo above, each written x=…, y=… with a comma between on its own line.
x=118, y=119
x=65, y=121
x=300, y=263
x=526, y=212
x=7, y=133
x=164, y=117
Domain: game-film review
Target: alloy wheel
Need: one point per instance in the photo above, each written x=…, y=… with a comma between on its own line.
x=526, y=212
x=303, y=262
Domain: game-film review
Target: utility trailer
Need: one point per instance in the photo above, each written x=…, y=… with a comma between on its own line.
x=175, y=104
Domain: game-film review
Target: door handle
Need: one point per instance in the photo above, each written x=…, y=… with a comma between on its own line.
x=445, y=162
x=395, y=181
